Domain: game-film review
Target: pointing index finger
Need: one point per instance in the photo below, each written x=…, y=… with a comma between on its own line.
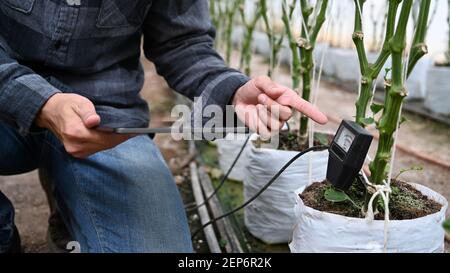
x=288, y=97
x=308, y=109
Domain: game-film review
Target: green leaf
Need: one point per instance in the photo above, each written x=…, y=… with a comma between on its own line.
x=380, y=203
x=403, y=120
x=413, y=168
x=336, y=196
x=376, y=108
x=447, y=225
x=386, y=73
x=321, y=138
x=368, y=121
x=395, y=190
x=223, y=243
x=212, y=143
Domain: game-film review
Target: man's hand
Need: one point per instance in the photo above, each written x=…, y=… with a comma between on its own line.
x=264, y=106
x=72, y=118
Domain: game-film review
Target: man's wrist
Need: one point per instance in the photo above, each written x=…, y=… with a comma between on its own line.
x=235, y=83
x=43, y=117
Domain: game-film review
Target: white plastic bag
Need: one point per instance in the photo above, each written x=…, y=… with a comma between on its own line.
x=417, y=81
x=438, y=82
x=322, y=49
x=317, y=231
x=271, y=216
x=345, y=64
x=228, y=149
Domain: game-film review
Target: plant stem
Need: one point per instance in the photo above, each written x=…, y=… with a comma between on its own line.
x=369, y=72
x=383, y=26
x=306, y=45
x=387, y=125
x=295, y=66
x=246, y=53
x=230, y=12
x=274, y=42
x=216, y=13
x=448, y=21
x=419, y=48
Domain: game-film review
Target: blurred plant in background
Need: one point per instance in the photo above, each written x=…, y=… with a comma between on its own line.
x=447, y=225
x=288, y=12
x=448, y=21
x=446, y=61
x=216, y=13
x=249, y=28
x=379, y=20
x=231, y=8
x=275, y=40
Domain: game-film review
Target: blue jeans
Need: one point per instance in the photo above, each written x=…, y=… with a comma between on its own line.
x=120, y=200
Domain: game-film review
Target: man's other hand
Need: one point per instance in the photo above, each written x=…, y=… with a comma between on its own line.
x=264, y=106
x=72, y=118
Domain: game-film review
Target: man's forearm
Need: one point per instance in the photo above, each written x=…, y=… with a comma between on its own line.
x=180, y=43
x=22, y=92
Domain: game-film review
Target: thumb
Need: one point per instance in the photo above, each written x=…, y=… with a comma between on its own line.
x=86, y=111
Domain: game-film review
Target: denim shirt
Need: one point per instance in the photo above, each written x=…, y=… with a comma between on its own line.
x=92, y=48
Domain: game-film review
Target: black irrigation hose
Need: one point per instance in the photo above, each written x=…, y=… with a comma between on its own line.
x=224, y=178
x=192, y=207
x=263, y=189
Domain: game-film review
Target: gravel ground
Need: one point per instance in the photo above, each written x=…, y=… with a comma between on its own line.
x=418, y=134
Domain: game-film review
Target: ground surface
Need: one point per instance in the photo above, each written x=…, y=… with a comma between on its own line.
x=419, y=135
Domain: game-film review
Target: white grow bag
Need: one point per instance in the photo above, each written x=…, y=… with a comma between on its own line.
x=317, y=231
x=228, y=149
x=345, y=64
x=271, y=216
x=417, y=81
x=324, y=50
x=438, y=86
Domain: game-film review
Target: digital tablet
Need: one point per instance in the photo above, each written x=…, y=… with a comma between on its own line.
x=170, y=130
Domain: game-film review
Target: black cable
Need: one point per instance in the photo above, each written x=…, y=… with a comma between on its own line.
x=191, y=207
x=288, y=127
x=263, y=189
x=224, y=178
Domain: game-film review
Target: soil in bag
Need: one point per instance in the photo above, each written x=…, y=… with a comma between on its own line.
x=405, y=201
x=289, y=141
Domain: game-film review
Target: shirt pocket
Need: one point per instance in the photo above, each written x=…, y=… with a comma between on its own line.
x=119, y=14
x=23, y=6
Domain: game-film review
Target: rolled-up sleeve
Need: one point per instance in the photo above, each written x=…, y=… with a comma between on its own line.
x=178, y=38
x=22, y=92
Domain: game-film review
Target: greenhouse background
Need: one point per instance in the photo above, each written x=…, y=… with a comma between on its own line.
x=336, y=40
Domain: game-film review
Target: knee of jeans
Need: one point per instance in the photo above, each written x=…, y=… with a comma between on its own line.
x=149, y=215
x=146, y=162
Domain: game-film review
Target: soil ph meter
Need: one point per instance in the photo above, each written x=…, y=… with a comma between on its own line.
x=347, y=154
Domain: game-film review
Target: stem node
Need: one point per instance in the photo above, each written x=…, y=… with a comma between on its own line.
x=304, y=43
x=358, y=35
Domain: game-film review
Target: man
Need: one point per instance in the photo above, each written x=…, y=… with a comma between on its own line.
x=70, y=66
